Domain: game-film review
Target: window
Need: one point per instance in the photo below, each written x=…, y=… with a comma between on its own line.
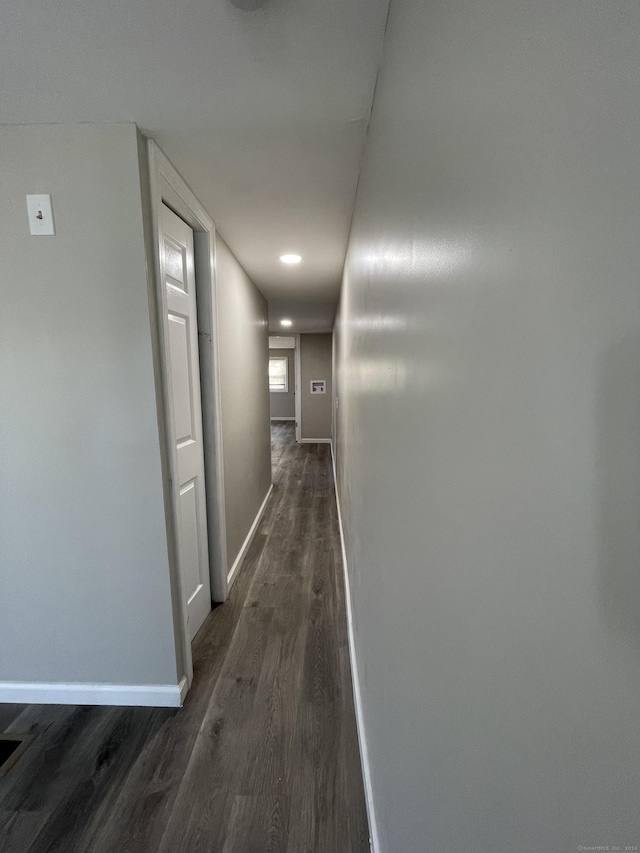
x=279, y=374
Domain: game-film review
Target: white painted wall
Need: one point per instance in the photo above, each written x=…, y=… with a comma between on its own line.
x=244, y=382
x=84, y=578
x=315, y=363
x=488, y=359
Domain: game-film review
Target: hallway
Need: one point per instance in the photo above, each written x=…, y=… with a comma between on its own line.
x=263, y=756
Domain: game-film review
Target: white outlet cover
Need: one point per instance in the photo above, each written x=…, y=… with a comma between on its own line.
x=40, y=215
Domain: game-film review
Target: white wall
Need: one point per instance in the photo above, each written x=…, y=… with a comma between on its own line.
x=84, y=577
x=244, y=382
x=315, y=363
x=489, y=427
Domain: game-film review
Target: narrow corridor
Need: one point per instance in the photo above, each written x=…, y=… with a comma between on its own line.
x=262, y=757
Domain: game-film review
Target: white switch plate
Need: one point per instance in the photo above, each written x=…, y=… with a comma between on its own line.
x=40, y=215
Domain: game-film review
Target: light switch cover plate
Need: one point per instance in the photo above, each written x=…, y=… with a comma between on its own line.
x=40, y=215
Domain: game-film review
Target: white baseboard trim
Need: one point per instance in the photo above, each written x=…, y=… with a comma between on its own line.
x=355, y=680
x=315, y=441
x=143, y=695
x=243, y=550
x=283, y=419
x=183, y=687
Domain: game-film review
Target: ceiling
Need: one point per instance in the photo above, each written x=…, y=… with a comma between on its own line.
x=262, y=112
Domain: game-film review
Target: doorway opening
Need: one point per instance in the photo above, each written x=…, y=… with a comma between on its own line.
x=182, y=241
x=284, y=393
x=284, y=379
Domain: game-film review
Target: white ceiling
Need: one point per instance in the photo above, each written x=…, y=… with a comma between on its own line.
x=262, y=112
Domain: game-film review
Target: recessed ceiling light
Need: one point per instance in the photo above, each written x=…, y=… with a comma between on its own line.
x=285, y=322
x=290, y=259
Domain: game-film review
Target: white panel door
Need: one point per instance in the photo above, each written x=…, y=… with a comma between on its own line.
x=184, y=391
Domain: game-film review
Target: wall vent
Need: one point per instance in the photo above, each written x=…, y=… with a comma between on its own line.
x=11, y=748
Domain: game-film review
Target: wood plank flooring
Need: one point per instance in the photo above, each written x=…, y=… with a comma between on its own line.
x=262, y=758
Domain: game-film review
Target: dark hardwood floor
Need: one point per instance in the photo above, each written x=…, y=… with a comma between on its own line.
x=262, y=758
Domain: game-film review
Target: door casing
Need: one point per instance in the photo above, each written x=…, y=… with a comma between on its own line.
x=298, y=388
x=167, y=187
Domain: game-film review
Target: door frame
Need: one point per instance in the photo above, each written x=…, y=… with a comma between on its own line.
x=167, y=187
x=298, y=390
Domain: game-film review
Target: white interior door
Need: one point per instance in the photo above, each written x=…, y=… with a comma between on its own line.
x=184, y=391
